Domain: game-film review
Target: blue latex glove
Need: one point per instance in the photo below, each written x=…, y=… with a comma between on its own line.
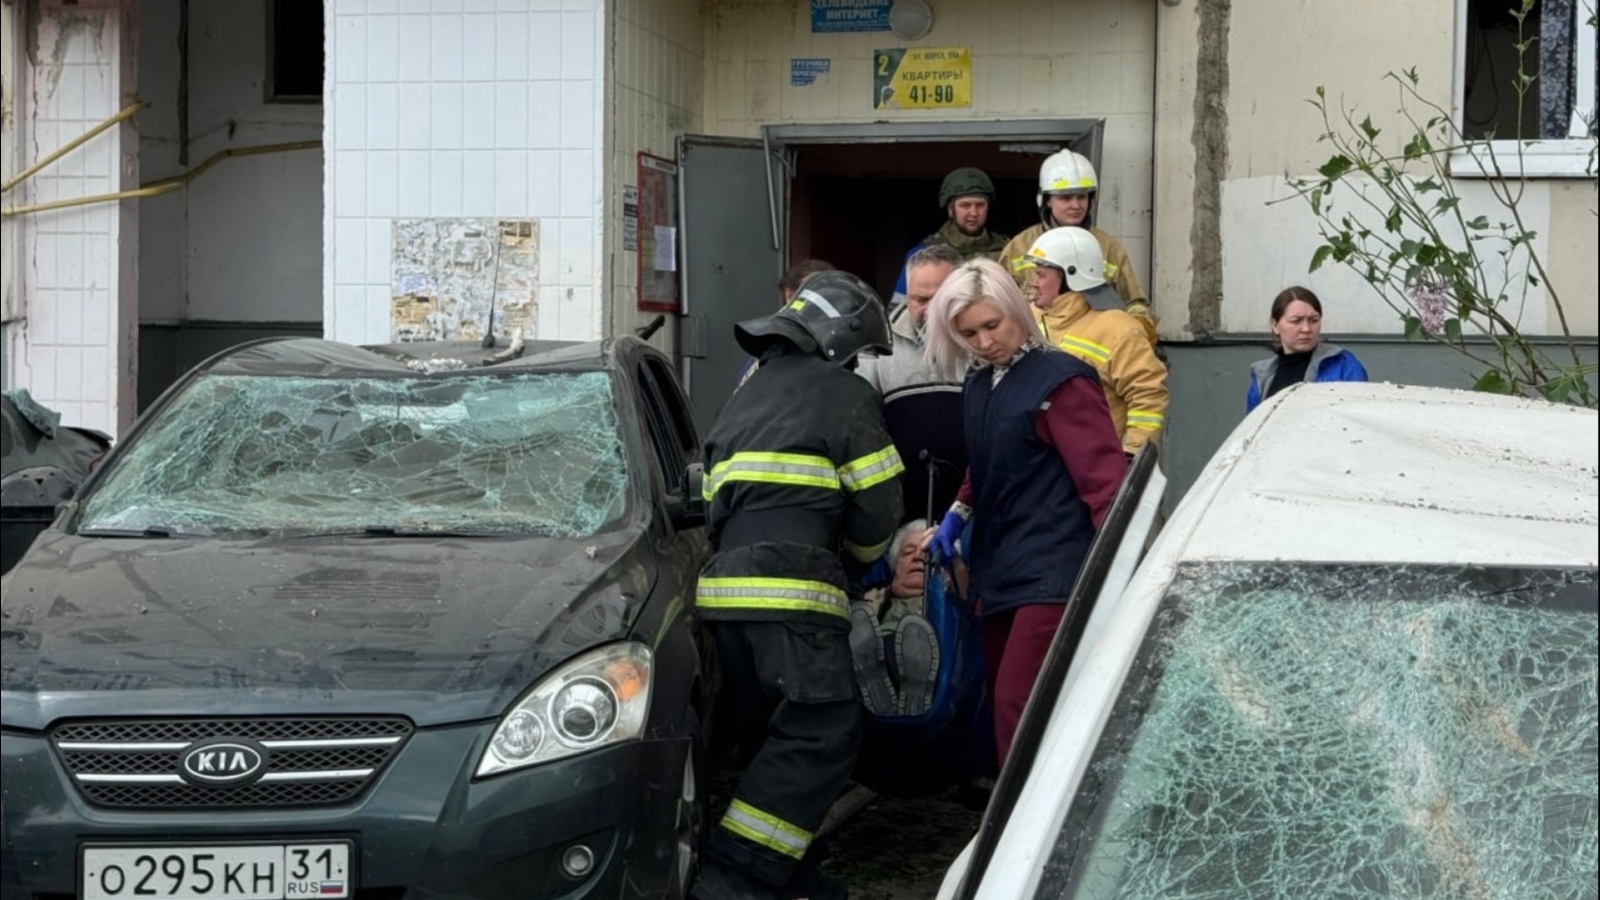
x=944, y=541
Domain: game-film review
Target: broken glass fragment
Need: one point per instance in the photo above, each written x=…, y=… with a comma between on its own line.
x=1297, y=731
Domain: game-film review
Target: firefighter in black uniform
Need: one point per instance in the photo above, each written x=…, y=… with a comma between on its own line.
x=803, y=495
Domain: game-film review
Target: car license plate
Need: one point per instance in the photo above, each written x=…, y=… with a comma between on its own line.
x=203, y=872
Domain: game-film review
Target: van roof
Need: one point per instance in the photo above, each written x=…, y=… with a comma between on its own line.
x=1396, y=474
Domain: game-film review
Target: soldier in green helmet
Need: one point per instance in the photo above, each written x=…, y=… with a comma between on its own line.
x=966, y=196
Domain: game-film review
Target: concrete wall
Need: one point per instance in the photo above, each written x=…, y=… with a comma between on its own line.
x=1573, y=236
x=1234, y=125
x=1031, y=59
x=654, y=94
x=73, y=342
x=461, y=108
x=163, y=221
x=243, y=242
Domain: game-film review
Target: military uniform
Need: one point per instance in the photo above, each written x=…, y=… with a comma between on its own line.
x=963, y=182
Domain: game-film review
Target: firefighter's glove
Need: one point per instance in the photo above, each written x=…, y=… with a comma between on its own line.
x=945, y=539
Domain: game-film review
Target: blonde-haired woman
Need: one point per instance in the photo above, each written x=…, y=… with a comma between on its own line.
x=1045, y=463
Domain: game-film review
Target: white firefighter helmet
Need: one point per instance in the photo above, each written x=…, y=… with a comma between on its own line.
x=1067, y=172
x=1076, y=253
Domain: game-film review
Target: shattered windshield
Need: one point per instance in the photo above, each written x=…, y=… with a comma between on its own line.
x=1353, y=732
x=529, y=453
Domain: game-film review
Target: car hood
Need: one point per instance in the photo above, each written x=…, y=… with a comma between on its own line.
x=437, y=629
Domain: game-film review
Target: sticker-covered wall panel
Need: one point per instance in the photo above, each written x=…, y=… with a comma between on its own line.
x=451, y=275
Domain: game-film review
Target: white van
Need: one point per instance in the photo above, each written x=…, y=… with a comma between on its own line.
x=1360, y=661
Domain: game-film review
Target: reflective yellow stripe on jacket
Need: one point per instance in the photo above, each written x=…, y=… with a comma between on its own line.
x=1117, y=346
x=804, y=470
x=1087, y=350
x=871, y=470
x=775, y=594
x=1146, y=418
x=868, y=554
x=796, y=469
x=767, y=830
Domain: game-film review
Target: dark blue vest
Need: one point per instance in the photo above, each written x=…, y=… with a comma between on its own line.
x=1031, y=530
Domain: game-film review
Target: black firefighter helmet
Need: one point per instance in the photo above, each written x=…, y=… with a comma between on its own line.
x=834, y=315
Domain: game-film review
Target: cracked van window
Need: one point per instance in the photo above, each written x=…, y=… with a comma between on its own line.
x=1348, y=732
x=529, y=453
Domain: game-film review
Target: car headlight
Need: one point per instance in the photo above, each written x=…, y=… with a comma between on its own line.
x=598, y=699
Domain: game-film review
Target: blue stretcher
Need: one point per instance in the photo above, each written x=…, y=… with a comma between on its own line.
x=929, y=722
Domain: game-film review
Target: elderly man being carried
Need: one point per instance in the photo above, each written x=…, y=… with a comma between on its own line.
x=896, y=647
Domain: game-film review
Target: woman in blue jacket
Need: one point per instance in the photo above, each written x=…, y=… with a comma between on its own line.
x=1302, y=356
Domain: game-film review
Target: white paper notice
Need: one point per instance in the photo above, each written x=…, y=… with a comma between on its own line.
x=666, y=249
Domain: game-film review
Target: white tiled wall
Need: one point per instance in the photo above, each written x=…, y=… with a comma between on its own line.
x=444, y=108
x=73, y=345
x=658, y=65
x=1031, y=59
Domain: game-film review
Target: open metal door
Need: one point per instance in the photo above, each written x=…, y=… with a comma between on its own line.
x=733, y=193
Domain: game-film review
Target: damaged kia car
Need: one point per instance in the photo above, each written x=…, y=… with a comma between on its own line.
x=408, y=621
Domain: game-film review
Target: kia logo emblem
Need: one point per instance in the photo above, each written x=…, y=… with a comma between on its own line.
x=222, y=762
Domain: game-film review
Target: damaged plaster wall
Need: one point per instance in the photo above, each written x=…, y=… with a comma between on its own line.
x=74, y=341
x=1210, y=141
x=1175, y=169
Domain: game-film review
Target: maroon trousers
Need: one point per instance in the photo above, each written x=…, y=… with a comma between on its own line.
x=1015, y=645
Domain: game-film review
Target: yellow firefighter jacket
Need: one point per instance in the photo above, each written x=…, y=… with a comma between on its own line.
x=1115, y=343
x=1119, y=271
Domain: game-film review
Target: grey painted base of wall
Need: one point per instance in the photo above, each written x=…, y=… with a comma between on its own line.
x=1208, y=383
x=167, y=351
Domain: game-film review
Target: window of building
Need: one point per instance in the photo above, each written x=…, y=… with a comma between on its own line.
x=295, y=56
x=1548, y=130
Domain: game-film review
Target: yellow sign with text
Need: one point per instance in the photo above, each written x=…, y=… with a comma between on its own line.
x=922, y=78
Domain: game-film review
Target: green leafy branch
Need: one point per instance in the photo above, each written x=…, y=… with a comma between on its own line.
x=1452, y=279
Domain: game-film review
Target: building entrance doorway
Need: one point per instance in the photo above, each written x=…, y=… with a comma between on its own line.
x=863, y=206
x=858, y=196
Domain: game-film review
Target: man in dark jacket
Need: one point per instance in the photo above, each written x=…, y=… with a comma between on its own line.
x=803, y=495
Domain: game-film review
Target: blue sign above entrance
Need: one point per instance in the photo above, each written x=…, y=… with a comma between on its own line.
x=848, y=16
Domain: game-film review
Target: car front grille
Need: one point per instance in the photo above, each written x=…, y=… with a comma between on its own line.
x=138, y=764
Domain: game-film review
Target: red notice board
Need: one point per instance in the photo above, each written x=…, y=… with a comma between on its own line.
x=658, y=234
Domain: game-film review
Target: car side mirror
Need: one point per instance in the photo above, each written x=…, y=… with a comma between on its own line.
x=689, y=510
